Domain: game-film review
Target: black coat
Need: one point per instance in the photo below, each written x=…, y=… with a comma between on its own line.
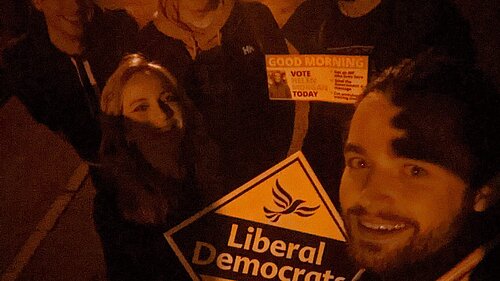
x=47, y=83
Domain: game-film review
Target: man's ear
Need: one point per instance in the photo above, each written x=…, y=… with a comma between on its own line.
x=37, y=4
x=485, y=197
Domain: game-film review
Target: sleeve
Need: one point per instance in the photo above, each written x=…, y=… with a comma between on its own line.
x=4, y=93
x=303, y=27
x=18, y=81
x=453, y=32
x=434, y=24
x=266, y=29
x=111, y=35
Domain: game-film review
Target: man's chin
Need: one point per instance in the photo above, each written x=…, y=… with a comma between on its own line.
x=373, y=257
x=419, y=258
x=69, y=29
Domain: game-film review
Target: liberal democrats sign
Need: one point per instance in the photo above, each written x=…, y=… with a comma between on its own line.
x=279, y=226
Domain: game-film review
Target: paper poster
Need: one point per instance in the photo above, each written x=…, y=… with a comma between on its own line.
x=279, y=226
x=330, y=78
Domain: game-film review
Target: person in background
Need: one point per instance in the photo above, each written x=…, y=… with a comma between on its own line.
x=158, y=163
x=58, y=68
x=386, y=31
x=419, y=194
x=216, y=49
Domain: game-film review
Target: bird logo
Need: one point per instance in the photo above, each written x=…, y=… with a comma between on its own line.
x=287, y=205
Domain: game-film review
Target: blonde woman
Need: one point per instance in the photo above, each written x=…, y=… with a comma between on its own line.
x=159, y=165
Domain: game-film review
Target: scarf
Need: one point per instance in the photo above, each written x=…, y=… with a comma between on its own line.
x=167, y=21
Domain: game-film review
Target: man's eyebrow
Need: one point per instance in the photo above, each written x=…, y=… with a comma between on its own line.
x=351, y=147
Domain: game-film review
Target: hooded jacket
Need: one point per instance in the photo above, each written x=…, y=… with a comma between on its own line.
x=47, y=82
x=222, y=67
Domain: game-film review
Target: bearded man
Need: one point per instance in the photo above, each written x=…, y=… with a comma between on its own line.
x=420, y=188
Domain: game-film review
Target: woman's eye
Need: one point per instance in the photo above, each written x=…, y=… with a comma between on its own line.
x=414, y=171
x=141, y=108
x=357, y=163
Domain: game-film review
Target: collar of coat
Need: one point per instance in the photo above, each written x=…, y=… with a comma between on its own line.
x=167, y=21
x=463, y=269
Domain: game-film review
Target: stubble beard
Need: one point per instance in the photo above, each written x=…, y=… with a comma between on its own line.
x=423, y=255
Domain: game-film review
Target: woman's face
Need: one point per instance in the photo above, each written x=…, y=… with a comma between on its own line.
x=155, y=122
x=147, y=99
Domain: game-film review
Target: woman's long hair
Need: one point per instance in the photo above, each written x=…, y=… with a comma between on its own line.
x=134, y=180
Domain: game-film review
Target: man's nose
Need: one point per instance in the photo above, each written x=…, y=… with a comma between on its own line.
x=379, y=188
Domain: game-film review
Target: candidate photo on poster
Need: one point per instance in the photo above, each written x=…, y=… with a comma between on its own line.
x=278, y=86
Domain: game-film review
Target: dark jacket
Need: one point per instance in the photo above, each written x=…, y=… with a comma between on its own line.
x=47, y=82
x=228, y=84
x=393, y=30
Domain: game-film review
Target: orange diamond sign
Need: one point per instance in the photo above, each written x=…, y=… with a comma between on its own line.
x=279, y=226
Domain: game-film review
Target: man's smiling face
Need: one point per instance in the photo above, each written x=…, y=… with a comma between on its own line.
x=398, y=210
x=63, y=17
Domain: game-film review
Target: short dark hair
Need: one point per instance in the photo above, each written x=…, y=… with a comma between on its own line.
x=463, y=103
